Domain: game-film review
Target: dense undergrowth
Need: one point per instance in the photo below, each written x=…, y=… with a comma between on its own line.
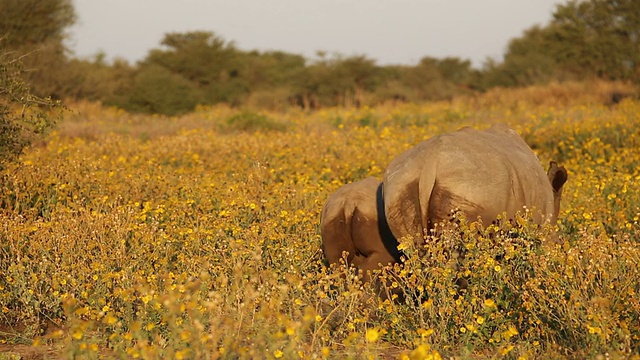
x=197, y=237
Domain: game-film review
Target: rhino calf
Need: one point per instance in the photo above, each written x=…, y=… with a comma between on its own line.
x=350, y=224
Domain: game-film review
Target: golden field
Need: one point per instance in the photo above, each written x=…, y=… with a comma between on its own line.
x=130, y=236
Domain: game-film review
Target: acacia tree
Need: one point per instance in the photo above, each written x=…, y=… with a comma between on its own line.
x=215, y=67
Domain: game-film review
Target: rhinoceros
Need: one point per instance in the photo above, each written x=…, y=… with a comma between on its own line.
x=481, y=174
x=351, y=223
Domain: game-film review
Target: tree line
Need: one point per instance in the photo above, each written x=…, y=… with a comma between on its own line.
x=583, y=40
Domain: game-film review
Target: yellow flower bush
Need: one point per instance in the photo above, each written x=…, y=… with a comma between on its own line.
x=152, y=237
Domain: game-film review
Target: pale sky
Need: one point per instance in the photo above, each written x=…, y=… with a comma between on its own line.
x=388, y=31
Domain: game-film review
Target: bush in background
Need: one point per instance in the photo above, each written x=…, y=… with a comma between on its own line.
x=23, y=116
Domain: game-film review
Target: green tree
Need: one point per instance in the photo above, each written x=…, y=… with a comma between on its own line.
x=455, y=70
x=215, y=66
x=271, y=76
x=272, y=68
x=33, y=22
x=37, y=28
x=598, y=37
x=527, y=61
x=337, y=80
x=155, y=89
x=588, y=38
x=23, y=116
x=437, y=79
x=584, y=39
x=392, y=86
x=96, y=80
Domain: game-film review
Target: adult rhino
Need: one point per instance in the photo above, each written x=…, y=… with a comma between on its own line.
x=481, y=174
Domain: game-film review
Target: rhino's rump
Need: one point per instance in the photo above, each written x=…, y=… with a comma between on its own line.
x=487, y=174
x=478, y=173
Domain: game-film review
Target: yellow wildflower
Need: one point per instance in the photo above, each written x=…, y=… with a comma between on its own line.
x=506, y=350
x=372, y=335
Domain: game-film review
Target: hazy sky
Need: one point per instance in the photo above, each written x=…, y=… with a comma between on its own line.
x=389, y=31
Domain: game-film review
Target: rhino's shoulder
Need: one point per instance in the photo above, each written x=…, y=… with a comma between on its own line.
x=502, y=128
x=504, y=131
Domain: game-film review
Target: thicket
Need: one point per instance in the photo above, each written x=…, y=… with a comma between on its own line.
x=583, y=40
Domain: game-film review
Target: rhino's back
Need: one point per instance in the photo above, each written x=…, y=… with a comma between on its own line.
x=481, y=173
x=485, y=173
x=343, y=201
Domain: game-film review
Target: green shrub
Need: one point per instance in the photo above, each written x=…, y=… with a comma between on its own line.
x=251, y=121
x=156, y=90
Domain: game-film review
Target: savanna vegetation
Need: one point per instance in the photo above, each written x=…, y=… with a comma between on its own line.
x=584, y=40
x=197, y=237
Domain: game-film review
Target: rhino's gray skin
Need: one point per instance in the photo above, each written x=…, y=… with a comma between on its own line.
x=481, y=174
x=349, y=223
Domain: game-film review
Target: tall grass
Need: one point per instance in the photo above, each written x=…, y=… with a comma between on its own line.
x=153, y=237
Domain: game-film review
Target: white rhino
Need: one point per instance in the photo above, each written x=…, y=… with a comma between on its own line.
x=481, y=174
x=350, y=223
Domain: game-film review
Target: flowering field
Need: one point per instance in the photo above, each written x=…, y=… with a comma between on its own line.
x=133, y=236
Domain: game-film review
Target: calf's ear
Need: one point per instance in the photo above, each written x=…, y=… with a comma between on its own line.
x=557, y=176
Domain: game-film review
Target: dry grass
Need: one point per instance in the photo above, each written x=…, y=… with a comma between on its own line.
x=150, y=237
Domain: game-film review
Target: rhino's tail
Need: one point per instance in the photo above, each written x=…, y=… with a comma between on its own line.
x=426, y=186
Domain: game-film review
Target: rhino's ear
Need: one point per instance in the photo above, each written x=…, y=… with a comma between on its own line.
x=557, y=176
